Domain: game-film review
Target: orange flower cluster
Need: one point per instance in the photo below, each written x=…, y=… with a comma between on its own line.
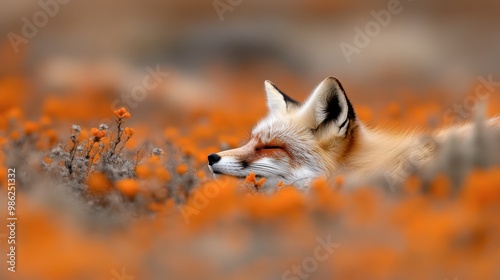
x=129, y=132
x=97, y=134
x=152, y=168
x=122, y=113
x=128, y=187
x=98, y=183
x=252, y=180
x=30, y=128
x=182, y=169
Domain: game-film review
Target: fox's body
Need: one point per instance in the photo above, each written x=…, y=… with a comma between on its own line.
x=299, y=142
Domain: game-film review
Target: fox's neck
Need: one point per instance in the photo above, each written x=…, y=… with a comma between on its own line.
x=375, y=151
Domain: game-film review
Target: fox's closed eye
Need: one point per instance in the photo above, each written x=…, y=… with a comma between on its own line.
x=268, y=147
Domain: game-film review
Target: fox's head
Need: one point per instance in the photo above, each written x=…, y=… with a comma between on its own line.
x=295, y=142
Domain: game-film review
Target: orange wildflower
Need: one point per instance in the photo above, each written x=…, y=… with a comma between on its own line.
x=142, y=171
x=250, y=178
x=182, y=169
x=128, y=187
x=97, y=134
x=122, y=113
x=45, y=121
x=162, y=174
x=118, y=112
x=47, y=160
x=155, y=159
x=98, y=183
x=51, y=136
x=200, y=174
x=129, y=132
x=260, y=182
x=30, y=128
x=190, y=149
x=84, y=134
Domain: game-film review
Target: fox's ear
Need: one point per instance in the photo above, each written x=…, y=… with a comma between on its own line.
x=277, y=101
x=328, y=107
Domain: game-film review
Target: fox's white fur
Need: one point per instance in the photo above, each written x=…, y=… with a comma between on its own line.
x=299, y=142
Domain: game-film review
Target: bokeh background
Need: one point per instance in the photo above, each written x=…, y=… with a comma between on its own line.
x=428, y=45
x=88, y=57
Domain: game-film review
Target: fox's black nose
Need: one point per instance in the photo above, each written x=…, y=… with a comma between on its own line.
x=213, y=158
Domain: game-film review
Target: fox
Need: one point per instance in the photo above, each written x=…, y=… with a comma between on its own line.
x=322, y=137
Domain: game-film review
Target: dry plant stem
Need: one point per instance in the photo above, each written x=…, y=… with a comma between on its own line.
x=124, y=143
x=87, y=155
x=91, y=161
x=118, y=139
x=72, y=153
x=138, y=157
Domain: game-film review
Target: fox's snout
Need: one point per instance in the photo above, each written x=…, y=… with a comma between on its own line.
x=213, y=158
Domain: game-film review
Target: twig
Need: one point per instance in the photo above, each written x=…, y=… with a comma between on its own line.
x=118, y=137
x=72, y=152
x=138, y=156
x=124, y=143
x=98, y=151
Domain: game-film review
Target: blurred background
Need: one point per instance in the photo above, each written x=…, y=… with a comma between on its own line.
x=212, y=49
x=191, y=75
